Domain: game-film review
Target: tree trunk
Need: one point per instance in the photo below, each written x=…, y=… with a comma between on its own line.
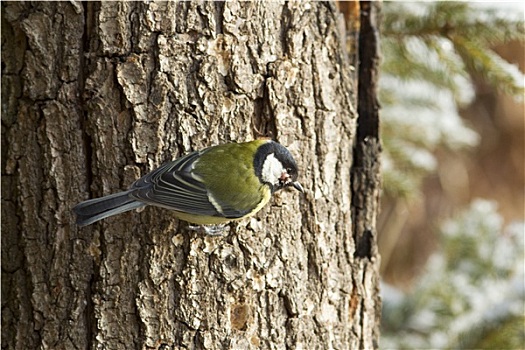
x=96, y=94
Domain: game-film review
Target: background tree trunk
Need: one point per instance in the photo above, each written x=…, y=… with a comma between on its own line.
x=96, y=94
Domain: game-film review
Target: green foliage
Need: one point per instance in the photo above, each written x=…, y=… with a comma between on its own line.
x=432, y=53
x=471, y=294
x=460, y=34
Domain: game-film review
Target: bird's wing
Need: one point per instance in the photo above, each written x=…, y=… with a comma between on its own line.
x=176, y=186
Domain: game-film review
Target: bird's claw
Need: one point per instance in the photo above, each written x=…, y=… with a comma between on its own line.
x=210, y=230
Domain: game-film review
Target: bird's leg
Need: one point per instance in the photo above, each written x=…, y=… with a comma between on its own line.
x=211, y=230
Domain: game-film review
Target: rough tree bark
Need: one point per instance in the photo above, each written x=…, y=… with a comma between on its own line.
x=96, y=94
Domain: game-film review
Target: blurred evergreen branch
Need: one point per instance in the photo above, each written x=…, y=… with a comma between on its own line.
x=432, y=54
x=471, y=31
x=470, y=295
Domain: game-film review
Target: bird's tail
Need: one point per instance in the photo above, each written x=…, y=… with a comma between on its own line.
x=97, y=209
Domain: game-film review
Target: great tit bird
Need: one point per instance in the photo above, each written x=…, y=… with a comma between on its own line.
x=208, y=187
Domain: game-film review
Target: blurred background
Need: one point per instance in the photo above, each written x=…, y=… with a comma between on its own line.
x=451, y=228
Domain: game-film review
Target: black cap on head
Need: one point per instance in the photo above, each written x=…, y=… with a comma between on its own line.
x=283, y=175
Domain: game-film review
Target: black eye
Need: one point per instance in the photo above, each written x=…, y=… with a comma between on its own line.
x=289, y=170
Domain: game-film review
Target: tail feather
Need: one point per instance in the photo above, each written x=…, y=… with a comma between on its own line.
x=97, y=209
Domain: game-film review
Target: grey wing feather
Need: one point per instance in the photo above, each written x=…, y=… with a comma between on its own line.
x=176, y=187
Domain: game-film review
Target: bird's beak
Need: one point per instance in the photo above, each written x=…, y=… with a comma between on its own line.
x=298, y=186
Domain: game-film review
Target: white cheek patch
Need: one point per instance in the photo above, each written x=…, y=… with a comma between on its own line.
x=272, y=169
